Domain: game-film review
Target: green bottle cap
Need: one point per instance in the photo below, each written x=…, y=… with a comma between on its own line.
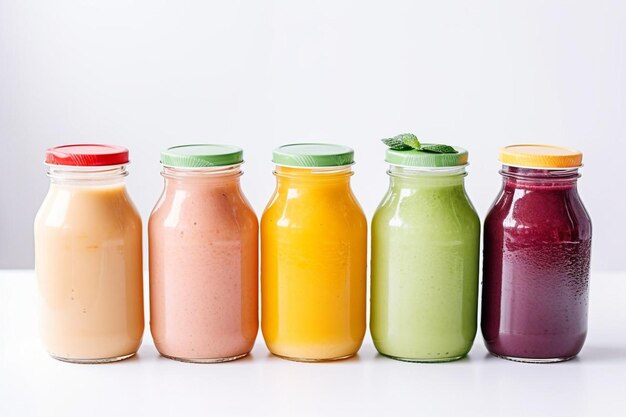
x=423, y=159
x=313, y=155
x=201, y=156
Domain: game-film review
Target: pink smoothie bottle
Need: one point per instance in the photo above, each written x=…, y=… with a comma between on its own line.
x=203, y=241
x=537, y=251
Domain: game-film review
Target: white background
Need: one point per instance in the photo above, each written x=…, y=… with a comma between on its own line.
x=149, y=74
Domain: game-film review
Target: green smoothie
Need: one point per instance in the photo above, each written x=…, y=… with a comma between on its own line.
x=425, y=253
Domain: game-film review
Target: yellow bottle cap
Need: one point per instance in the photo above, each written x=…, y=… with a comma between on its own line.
x=540, y=156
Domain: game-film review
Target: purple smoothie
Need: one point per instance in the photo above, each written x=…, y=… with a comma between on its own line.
x=536, y=267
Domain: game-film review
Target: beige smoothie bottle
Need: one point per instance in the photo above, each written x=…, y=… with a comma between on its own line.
x=203, y=239
x=88, y=257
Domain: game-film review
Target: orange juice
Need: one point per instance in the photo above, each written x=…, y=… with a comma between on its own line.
x=313, y=256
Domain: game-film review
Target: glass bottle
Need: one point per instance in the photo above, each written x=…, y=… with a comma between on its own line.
x=536, y=257
x=313, y=256
x=425, y=251
x=88, y=257
x=203, y=239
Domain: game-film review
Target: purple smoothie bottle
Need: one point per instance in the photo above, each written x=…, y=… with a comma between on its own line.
x=537, y=249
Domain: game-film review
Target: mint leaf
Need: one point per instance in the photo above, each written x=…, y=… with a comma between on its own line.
x=403, y=142
x=438, y=149
x=396, y=144
x=409, y=139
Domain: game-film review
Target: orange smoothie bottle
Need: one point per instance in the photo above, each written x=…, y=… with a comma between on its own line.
x=313, y=256
x=203, y=239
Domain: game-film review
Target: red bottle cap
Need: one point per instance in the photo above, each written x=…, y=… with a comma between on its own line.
x=87, y=155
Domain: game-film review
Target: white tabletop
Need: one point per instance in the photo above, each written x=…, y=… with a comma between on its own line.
x=31, y=383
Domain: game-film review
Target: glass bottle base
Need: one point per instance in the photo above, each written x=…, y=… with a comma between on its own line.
x=93, y=361
x=311, y=360
x=208, y=360
x=424, y=360
x=534, y=360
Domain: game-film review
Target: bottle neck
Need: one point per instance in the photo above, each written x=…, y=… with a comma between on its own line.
x=315, y=177
x=210, y=176
x=427, y=176
x=539, y=178
x=87, y=176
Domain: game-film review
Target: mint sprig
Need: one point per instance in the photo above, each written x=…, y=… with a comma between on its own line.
x=402, y=142
x=408, y=141
x=438, y=149
x=396, y=144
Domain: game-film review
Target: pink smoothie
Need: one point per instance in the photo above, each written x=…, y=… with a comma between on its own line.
x=203, y=241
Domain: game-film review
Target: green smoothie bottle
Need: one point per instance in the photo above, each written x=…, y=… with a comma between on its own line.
x=425, y=250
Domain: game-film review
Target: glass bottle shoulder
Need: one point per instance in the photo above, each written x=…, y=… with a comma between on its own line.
x=550, y=213
x=414, y=204
x=300, y=205
x=203, y=206
x=70, y=206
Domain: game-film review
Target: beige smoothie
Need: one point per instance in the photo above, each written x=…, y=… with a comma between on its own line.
x=89, y=267
x=203, y=239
